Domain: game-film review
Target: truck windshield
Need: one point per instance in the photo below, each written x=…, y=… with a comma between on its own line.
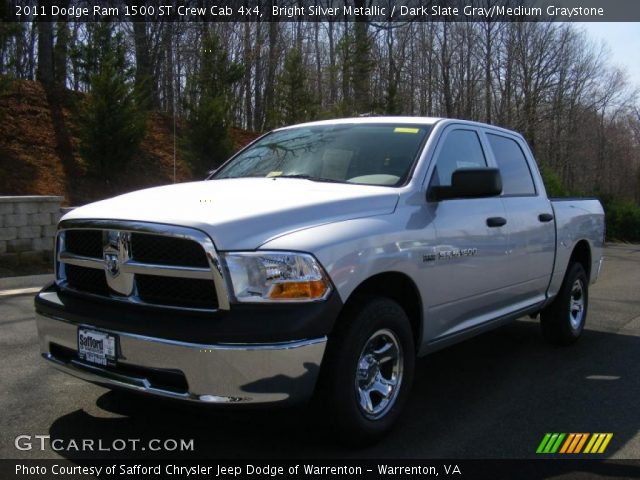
x=370, y=154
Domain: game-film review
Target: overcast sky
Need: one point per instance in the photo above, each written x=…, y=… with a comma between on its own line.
x=623, y=40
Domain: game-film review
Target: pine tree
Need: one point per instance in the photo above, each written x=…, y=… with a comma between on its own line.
x=209, y=100
x=112, y=123
x=296, y=101
x=362, y=65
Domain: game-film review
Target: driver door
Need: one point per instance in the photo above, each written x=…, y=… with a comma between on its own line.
x=466, y=281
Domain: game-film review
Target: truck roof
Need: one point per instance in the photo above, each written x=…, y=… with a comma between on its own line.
x=399, y=120
x=371, y=120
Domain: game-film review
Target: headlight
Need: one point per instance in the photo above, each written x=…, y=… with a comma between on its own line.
x=276, y=277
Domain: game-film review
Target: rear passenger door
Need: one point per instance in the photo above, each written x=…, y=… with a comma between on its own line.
x=530, y=225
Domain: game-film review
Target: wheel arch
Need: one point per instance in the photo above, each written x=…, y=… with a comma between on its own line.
x=400, y=288
x=582, y=254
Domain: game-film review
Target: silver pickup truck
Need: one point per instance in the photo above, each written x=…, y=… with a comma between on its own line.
x=321, y=260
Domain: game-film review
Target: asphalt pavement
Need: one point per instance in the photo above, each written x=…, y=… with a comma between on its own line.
x=494, y=396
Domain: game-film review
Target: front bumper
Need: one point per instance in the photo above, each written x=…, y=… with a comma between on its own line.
x=206, y=373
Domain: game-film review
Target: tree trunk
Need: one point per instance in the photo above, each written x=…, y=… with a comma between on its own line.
x=45, y=53
x=144, y=79
x=270, y=83
x=169, y=80
x=487, y=70
x=258, y=117
x=361, y=74
x=60, y=52
x=446, y=70
x=333, y=80
x=248, y=101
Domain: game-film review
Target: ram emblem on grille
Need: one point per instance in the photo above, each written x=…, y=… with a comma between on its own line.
x=111, y=263
x=116, y=250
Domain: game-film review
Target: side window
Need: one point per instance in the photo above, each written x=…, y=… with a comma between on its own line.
x=516, y=176
x=461, y=149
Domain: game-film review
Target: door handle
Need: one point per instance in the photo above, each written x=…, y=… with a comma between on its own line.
x=545, y=217
x=496, y=221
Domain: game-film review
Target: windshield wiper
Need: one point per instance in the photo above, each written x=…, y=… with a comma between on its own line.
x=312, y=178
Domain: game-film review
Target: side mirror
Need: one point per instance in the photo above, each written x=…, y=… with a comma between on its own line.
x=469, y=183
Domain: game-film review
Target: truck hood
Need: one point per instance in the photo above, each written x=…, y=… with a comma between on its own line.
x=244, y=213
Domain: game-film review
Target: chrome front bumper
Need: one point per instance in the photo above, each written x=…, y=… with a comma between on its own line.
x=222, y=373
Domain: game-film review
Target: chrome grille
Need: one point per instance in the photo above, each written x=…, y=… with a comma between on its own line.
x=140, y=263
x=87, y=243
x=87, y=279
x=183, y=292
x=157, y=249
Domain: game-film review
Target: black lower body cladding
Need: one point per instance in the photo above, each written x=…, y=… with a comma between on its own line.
x=250, y=323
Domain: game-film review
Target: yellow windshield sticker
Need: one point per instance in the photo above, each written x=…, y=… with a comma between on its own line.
x=274, y=174
x=405, y=130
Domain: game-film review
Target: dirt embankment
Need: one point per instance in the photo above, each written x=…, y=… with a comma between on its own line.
x=39, y=149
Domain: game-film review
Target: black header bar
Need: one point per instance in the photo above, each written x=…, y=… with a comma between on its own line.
x=378, y=11
x=260, y=469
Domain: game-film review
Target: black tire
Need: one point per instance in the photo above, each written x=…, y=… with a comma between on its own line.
x=382, y=326
x=561, y=322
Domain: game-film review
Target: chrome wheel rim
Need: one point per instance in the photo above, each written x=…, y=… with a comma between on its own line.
x=576, y=305
x=379, y=374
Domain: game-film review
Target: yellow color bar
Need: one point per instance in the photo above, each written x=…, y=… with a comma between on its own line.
x=607, y=439
x=405, y=130
x=599, y=440
x=591, y=442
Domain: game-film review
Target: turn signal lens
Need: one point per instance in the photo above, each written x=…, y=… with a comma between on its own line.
x=310, y=290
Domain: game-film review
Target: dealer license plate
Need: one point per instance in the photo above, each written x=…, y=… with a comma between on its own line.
x=96, y=347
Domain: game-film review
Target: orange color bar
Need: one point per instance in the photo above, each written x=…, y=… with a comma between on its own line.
x=581, y=443
x=567, y=442
x=576, y=439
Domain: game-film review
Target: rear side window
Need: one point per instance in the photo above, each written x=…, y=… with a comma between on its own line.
x=461, y=149
x=516, y=176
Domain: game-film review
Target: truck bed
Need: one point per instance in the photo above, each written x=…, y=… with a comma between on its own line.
x=577, y=219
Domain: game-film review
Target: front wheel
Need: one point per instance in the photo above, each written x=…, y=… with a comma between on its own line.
x=368, y=369
x=562, y=322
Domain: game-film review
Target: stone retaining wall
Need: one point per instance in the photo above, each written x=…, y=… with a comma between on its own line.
x=27, y=228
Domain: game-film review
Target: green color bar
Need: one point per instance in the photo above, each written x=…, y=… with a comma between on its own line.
x=557, y=444
x=550, y=443
x=543, y=443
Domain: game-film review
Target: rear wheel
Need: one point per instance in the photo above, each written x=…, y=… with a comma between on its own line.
x=368, y=369
x=562, y=322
